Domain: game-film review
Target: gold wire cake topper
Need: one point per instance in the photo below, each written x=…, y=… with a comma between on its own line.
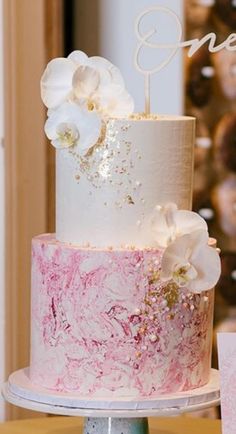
x=193, y=44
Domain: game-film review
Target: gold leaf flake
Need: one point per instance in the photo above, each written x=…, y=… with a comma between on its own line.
x=154, y=277
x=171, y=292
x=129, y=200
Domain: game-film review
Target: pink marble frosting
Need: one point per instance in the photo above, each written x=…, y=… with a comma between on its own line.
x=105, y=325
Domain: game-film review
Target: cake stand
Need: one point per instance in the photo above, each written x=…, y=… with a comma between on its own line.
x=116, y=416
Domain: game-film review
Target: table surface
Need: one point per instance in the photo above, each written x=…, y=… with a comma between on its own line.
x=73, y=425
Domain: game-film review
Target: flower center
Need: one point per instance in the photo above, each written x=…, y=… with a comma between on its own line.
x=183, y=274
x=91, y=106
x=67, y=134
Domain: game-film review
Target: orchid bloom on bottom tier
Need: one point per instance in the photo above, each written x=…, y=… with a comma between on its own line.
x=188, y=260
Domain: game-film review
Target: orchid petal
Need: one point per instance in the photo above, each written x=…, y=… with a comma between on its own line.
x=78, y=57
x=90, y=131
x=188, y=221
x=163, y=224
x=208, y=265
x=56, y=82
x=103, y=64
x=120, y=105
x=85, y=81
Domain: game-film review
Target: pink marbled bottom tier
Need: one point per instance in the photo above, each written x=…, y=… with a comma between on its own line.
x=105, y=325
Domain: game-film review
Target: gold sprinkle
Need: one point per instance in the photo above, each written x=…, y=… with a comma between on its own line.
x=171, y=292
x=154, y=277
x=90, y=106
x=142, y=116
x=129, y=200
x=147, y=301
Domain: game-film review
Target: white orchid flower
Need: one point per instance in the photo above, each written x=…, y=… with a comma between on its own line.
x=168, y=223
x=190, y=262
x=69, y=125
x=93, y=83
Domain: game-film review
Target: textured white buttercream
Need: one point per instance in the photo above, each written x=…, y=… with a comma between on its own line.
x=107, y=198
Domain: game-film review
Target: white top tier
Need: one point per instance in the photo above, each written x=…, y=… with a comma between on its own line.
x=106, y=198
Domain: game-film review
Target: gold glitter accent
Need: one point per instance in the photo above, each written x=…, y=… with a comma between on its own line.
x=147, y=301
x=144, y=116
x=90, y=106
x=110, y=162
x=142, y=330
x=171, y=316
x=138, y=354
x=100, y=140
x=125, y=127
x=129, y=200
x=154, y=278
x=171, y=292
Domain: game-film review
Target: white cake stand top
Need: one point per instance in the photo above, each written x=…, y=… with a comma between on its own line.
x=21, y=392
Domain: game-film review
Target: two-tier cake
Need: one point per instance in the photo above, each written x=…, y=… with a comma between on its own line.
x=122, y=298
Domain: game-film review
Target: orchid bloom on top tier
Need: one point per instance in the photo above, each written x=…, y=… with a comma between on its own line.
x=83, y=86
x=67, y=126
x=187, y=259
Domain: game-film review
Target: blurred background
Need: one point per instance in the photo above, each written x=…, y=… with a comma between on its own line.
x=33, y=32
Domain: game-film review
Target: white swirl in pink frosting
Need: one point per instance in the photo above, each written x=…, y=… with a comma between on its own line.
x=93, y=313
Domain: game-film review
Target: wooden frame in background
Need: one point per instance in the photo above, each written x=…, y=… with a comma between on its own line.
x=33, y=33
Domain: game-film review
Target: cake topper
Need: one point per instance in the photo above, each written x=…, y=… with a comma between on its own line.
x=144, y=40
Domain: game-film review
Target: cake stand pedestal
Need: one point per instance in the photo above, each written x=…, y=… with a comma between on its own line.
x=115, y=416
